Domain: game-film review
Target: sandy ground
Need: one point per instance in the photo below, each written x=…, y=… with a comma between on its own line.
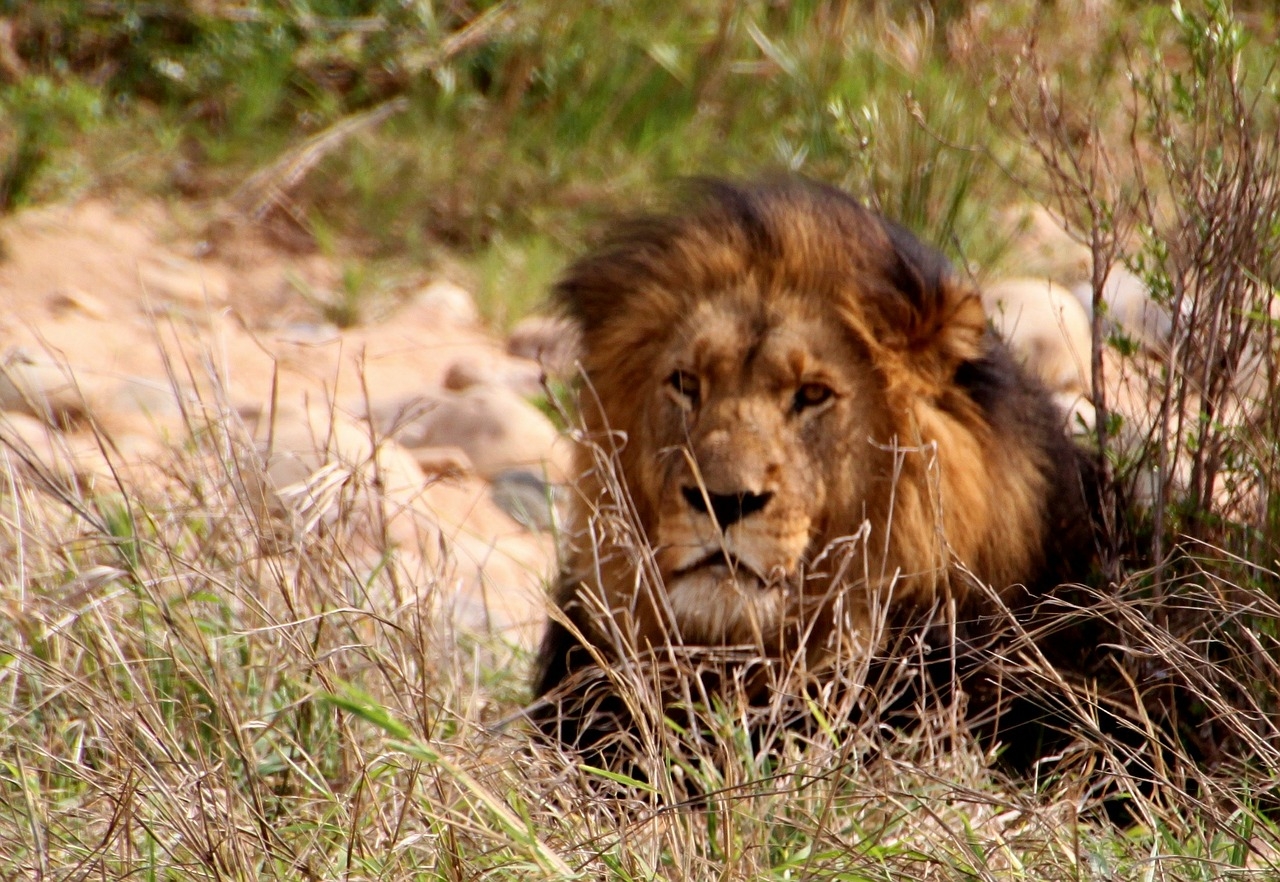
x=116, y=320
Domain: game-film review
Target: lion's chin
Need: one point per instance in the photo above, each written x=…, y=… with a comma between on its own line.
x=718, y=605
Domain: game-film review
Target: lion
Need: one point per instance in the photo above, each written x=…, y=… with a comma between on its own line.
x=809, y=422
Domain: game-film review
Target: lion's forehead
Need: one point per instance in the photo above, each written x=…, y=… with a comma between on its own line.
x=773, y=342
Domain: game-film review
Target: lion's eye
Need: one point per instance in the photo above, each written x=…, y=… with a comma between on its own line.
x=811, y=395
x=686, y=385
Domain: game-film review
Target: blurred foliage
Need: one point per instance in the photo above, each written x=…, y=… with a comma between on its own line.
x=520, y=116
x=522, y=122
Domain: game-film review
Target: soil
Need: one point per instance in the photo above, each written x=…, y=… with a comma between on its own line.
x=121, y=319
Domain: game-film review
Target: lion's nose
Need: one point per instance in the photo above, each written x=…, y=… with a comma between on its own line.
x=728, y=508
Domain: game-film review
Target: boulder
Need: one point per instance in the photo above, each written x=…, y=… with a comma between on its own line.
x=496, y=428
x=520, y=375
x=446, y=304
x=1130, y=309
x=552, y=342
x=1050, y=333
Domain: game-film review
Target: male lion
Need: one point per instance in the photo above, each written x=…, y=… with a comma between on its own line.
x=807, y=419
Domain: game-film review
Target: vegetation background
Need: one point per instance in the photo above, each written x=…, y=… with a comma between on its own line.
x=184, y=697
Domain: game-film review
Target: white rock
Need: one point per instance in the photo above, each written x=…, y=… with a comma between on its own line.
x=172, y=279
x=496, y=428
x=528, y=498
x=41, y=390
x=554, y=343
x=448, y=303
x=65, y=399
x=319, y=467
x=80, y=459
x=1039, y=245
x=442, y=462
x=1130, y=309
x=72, y=299
x=1049, y=332
x=519, y=375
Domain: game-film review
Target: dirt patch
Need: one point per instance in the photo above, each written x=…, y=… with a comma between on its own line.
x=121, y=331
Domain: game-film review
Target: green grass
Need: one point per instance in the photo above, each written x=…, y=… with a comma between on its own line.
x=515, y=276
x=523, y=123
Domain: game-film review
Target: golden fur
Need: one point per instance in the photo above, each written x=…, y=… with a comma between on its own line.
x=811, y=423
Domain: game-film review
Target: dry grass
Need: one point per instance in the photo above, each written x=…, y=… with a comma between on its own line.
x=1167, y=770
x=196, y=689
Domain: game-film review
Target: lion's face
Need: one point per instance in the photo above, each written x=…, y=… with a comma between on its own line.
x=762, y=416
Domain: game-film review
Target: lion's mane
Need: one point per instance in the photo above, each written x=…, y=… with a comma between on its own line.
x=768, y=370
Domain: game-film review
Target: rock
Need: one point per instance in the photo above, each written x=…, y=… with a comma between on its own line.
x=554, y=343
x=136, y=405
x=81, y=459
x=1040, y=246
x=309, y=334
x=443, y=462
x=1261, y=359
x=32, y=446
x=447, y=303
x=462, y=555
x=1130, y=309
x=41, y=390
x=172, y=279
x=72, y=299
x=490, y=573
x=519, y=375
x=497, y=429
x=1050, y=333
x=321, y=467
x=168, y=279
x=526, y=497
x=73, y=421
x=118, y=407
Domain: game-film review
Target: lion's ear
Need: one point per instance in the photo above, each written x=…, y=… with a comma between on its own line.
x=956, y=326
x=947, y=325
